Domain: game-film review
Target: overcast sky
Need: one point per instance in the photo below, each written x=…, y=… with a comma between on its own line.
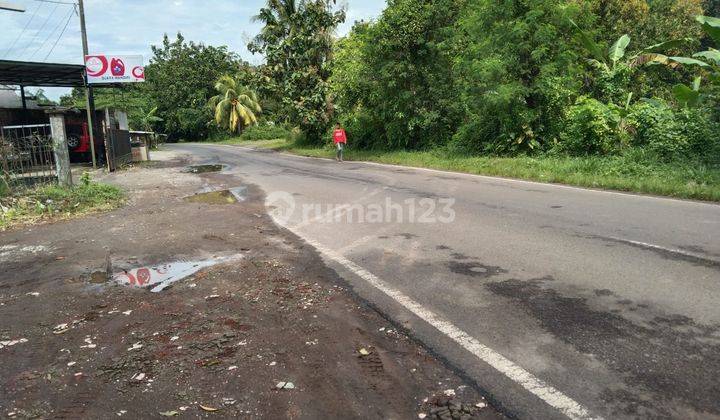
x=131, y=26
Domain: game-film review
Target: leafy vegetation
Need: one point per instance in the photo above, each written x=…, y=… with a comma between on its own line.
x=54, y=202
x=634, y=171
x=619, y=82
x=265, y=132
x=235, y=107
x=296, y=41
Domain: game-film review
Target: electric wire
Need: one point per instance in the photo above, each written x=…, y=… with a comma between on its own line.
x=55, y=29
x=23, y=30
x=56, y=2
x=61, y=33
x=39, y=30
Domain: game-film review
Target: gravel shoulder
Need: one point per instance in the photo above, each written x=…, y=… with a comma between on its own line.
x=260, y=328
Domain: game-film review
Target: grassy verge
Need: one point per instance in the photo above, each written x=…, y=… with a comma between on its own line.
x=622, y=173
x=53, y=202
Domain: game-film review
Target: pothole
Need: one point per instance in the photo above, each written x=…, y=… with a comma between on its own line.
x=229, y=196
x=158, y=278
x=201, y=169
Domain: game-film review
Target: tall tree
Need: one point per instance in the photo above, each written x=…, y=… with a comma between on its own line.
x=297, y=41
x=180, y=81
x=397, y=74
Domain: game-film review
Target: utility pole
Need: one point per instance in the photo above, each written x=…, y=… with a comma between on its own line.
x=89, y=102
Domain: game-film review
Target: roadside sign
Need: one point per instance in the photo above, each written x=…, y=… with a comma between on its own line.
x=102, y=69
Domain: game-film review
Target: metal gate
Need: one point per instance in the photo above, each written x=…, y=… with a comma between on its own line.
x=26, y=156
x=119, y=150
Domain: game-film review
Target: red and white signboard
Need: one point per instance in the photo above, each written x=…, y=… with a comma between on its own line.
x=114, y=69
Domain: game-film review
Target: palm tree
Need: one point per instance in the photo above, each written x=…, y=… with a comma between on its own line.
x=236, y=106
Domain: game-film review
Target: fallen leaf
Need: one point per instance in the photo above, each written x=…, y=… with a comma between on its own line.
x=169, y=413
x=206, y=408
x=364, y=352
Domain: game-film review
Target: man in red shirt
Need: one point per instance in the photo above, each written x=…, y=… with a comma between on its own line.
x=340, y=140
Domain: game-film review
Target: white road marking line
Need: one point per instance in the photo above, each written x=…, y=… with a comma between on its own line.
x=527, y=380
x=362, y=241
x=661, y=248
x=522, y=377
x=496, y=178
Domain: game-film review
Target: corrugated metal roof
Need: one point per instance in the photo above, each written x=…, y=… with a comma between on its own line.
x=26, y=73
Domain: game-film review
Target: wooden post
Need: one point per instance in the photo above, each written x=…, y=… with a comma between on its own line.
x=60, y=148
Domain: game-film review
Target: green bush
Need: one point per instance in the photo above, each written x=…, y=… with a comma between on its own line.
x=265, y=132
x=53, y=201
x=364, y=131
x=686, y=134
x=4, y=187
x=702, y=134
x=592, y=128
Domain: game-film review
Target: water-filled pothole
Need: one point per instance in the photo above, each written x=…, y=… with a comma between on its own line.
x=229, y=196
x=159, y=277
x=201, y=169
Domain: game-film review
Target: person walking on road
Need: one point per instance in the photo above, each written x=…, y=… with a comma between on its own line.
x=340, y=140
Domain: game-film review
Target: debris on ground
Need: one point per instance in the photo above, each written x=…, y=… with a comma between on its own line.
x=285, y=385
x=271, y=334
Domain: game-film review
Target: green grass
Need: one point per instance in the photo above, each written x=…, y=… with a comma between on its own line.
x=632, y=172
x=53, y=202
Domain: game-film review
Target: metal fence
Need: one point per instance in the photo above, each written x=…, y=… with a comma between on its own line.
x=119, y=148
x=26, y=156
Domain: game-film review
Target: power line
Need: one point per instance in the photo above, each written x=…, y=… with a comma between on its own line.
x=23, y=30
x=39, y=30
x=49, y=36
x=61, y=33
x=57, y=2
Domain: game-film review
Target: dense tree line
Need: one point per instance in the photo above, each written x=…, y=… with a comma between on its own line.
x=502, y=77
x=529, y=76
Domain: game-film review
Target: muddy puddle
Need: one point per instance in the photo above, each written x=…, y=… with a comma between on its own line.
x=159, y=277
x=229, y=196
x=202, y=169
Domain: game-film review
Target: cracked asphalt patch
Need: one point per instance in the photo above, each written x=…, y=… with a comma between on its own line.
x=669, y=355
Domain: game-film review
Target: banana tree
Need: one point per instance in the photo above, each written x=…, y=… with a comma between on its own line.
x=711, y=26
x=148, y=119
x=617, y=53
x=708, y=61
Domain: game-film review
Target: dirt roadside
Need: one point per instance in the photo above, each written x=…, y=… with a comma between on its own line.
x=259, y=329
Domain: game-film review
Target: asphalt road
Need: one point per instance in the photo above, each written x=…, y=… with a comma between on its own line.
x=557, y=301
